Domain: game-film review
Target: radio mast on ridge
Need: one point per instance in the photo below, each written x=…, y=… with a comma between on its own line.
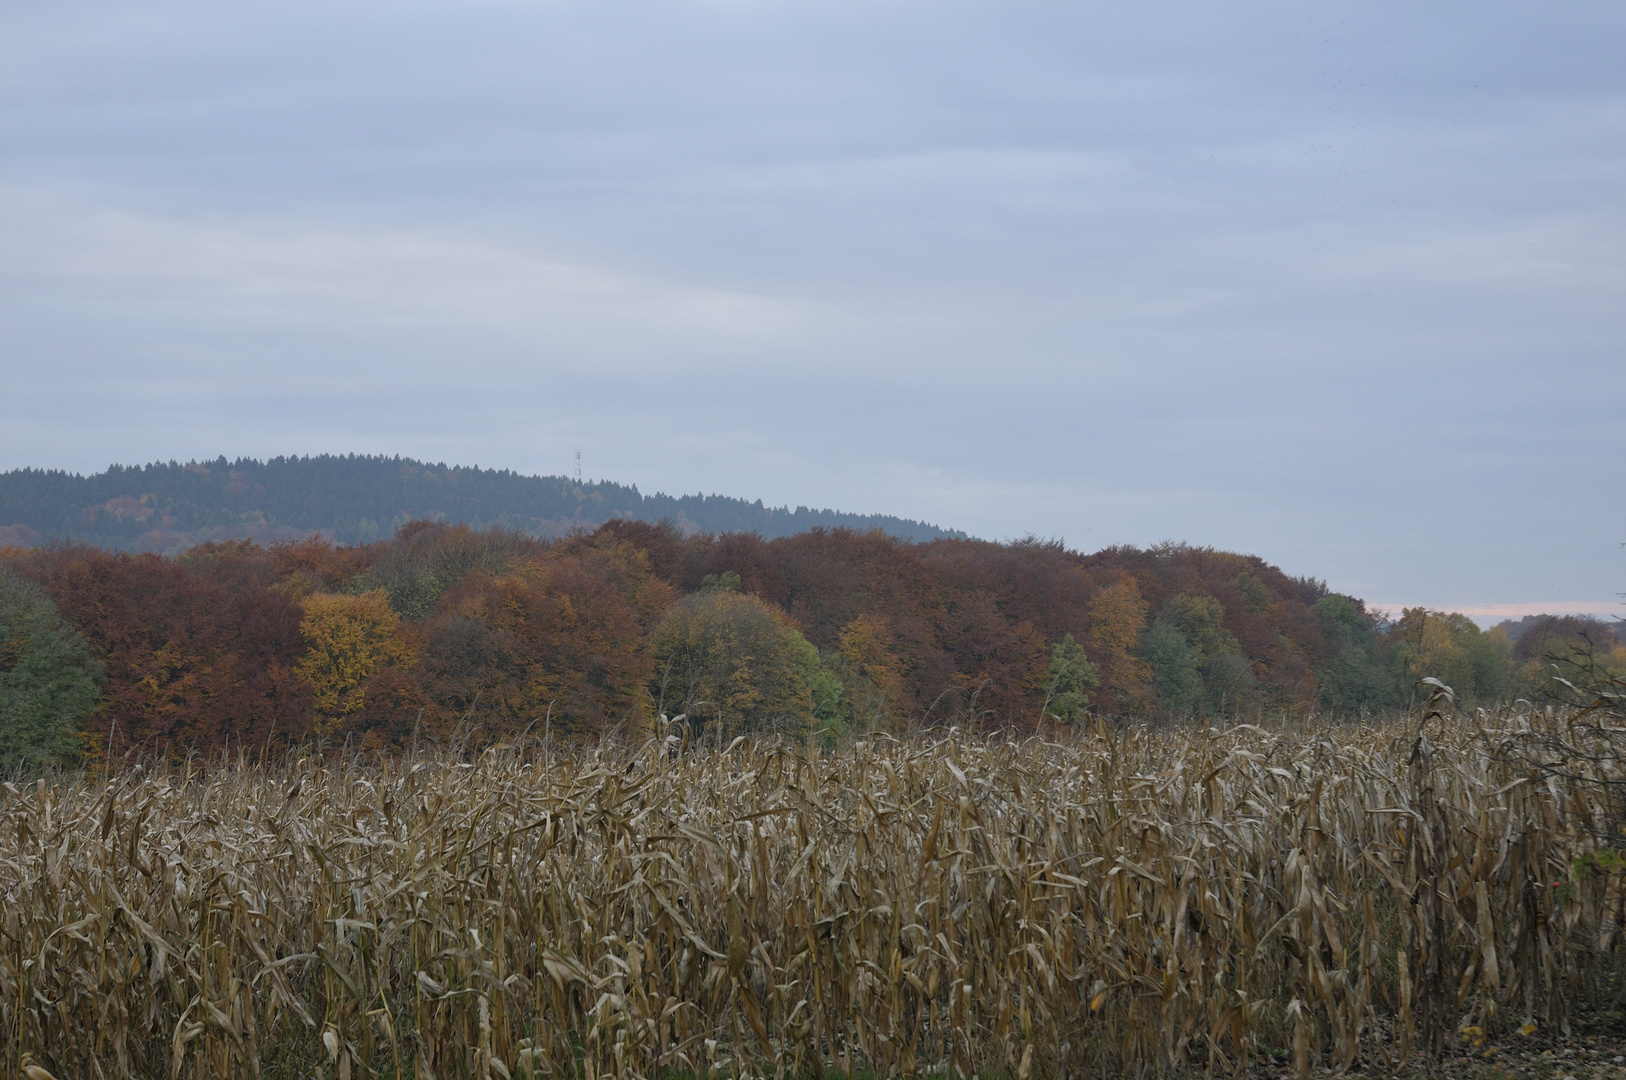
x=578, y=466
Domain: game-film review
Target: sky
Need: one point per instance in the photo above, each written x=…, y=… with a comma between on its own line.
x=1339, y=285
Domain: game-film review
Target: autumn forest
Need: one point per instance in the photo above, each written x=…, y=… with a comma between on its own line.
x=450, y=633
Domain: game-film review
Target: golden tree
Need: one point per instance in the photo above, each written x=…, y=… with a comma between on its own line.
x=348, y=639
x=1117, y=616
x=869, y=667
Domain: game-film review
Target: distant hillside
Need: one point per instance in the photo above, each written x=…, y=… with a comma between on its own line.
x=355, y=499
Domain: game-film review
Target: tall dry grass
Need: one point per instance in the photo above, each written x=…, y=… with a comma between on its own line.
x=1116, y=903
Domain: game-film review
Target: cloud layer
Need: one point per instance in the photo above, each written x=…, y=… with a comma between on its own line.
x=1345, y=288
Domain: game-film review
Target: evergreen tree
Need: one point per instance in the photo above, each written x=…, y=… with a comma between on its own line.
x=49, y=679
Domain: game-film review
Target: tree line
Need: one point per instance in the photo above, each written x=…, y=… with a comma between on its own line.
x=354, y=498
x=445, y=631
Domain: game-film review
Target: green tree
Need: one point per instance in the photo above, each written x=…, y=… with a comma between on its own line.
x=1201, y=620
x=1174, y=666
x=1356, y=676
x=1228, y=677
x=728, y=580
x=1450, y=647
x=727, y=660
x=1069, y=682
x=1197, y=663
x=1255, y=597
x=832, y=711
x=49, y=679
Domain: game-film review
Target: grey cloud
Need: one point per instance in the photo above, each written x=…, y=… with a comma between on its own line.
x=1341, y=286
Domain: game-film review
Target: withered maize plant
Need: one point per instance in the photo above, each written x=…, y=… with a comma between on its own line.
x=1106, y=903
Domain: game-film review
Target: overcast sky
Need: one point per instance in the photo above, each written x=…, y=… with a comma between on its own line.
x=1340, y=285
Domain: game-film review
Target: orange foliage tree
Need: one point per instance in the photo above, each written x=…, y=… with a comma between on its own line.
x=556, y=641
x=199, y=654
x=1117, y=617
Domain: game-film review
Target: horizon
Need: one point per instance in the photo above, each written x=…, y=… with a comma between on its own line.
x=1339, y=288
x=1486, y=616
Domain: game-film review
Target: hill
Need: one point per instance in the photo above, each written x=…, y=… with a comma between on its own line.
x=354, y=499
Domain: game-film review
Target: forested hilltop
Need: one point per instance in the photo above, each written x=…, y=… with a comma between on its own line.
x=355, y=499
x=445, y=632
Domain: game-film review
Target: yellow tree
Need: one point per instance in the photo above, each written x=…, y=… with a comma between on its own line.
x=1117, y=617
x=347, y=640
x=869, y=667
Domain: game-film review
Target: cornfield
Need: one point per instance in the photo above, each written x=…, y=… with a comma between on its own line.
x=1116, y=902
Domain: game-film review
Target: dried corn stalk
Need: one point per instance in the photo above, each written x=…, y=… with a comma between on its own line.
x=1122, y=903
